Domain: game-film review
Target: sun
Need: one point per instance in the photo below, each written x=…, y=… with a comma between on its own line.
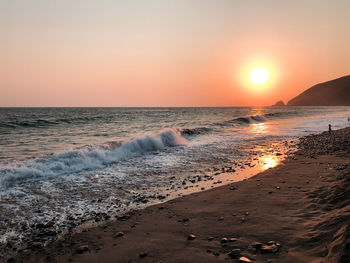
x=259, y=75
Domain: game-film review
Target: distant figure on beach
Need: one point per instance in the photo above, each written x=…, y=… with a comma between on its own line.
x=329, y=128
x=348, y=119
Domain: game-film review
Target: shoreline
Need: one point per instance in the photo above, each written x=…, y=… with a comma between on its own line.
x=28, y=236
x=243, y=212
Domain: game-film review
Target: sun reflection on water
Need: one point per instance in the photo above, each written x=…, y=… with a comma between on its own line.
x=259, y=128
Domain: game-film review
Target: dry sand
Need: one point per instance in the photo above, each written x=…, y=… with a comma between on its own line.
x=303, y=204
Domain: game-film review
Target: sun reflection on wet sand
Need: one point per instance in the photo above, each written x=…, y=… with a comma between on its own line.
x=268, y=161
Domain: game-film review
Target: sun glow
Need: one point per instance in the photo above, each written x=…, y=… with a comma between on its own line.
x=259, y=75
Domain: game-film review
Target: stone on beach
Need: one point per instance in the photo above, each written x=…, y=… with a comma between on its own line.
x=123, y=218
x=224, y=240
x=244, y=260
x=257, y=245
x=119, y=234
x=82, y=249
x=234, y=253
x=143, y=254
x=271, y=247
x=273, y=243
x=191, y=237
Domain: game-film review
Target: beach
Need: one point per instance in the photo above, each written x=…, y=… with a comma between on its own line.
x=174, y=131
x=298, y=211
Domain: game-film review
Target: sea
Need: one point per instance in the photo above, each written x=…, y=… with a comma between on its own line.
x=70, y=167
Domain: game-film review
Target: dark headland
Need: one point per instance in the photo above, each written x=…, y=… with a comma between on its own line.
x=296, y=212
x=331, y=93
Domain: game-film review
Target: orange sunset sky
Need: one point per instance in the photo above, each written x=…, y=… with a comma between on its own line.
x=168, y=53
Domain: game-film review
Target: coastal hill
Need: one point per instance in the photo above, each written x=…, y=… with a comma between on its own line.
x=331, y=93
x=279, y=103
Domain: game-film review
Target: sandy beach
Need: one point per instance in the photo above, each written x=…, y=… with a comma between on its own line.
x=298, y=211
x=174, y=131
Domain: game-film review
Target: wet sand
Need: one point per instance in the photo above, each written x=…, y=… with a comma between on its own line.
x=302, y=205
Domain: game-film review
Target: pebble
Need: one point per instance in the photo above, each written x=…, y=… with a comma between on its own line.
x=257, y=245
x=119, y=234
x=244, y=260
x=224, y=240
x=123, y=218
x=191, y=237
x=269, y=248
x=143, y=254
x=82, y=249
x=235, y=253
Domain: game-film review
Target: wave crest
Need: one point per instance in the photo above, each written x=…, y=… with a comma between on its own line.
x=196, y=131
x=89, y=157
x=244, y=120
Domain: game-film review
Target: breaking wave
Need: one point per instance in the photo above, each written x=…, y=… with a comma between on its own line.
x=283, y=114
x=243, y=120
x=86, y=158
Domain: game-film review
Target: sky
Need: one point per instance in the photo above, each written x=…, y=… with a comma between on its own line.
x=162, y=53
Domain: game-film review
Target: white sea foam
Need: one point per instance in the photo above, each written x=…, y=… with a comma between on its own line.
x=90, y=157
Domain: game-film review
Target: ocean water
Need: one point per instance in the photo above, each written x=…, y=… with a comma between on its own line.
x=73, y=165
